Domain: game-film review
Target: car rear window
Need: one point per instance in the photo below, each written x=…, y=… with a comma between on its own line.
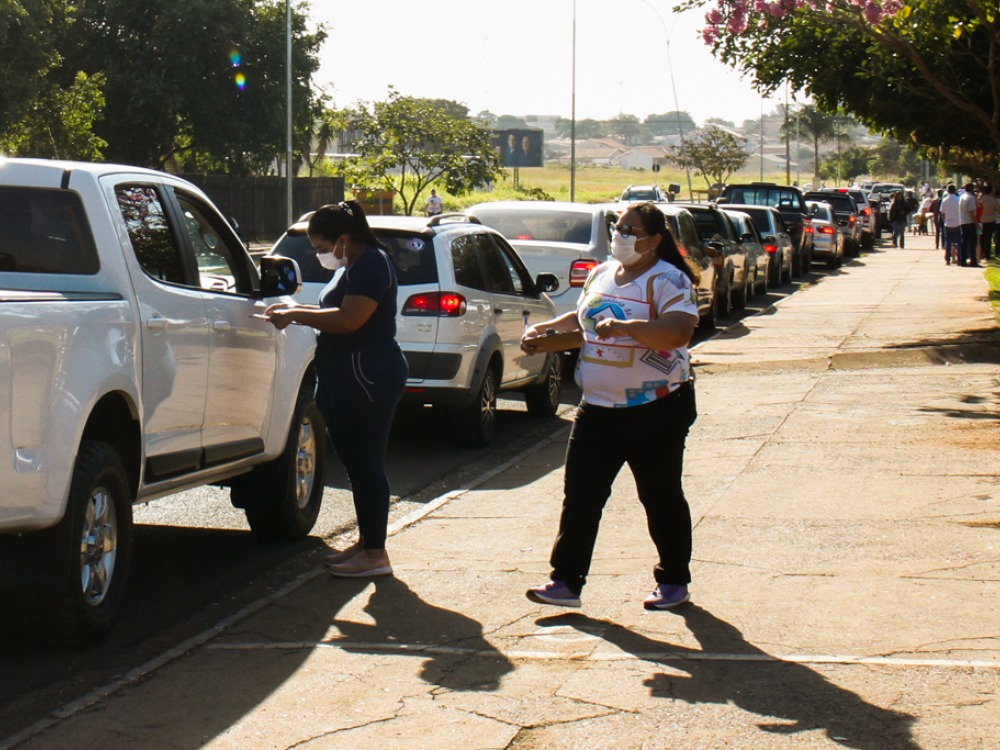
x=775, y=197
x=413, y=256
x=761, y=220
x=45, y=231
x=707, y=228
x=546, y=226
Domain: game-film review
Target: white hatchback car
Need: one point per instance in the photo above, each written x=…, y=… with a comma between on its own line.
x=558, y=237
x=465, y=298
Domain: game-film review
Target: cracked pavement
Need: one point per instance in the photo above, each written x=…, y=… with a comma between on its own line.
x=843, y=483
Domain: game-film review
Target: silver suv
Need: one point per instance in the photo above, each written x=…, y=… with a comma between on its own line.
x=465, y=297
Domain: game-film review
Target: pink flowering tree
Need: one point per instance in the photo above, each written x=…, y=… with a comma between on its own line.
x=925, y=71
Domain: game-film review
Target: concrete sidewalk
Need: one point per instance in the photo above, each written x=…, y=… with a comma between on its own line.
x=843, y=481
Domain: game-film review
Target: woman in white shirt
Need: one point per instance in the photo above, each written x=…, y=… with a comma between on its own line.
x=636, y=314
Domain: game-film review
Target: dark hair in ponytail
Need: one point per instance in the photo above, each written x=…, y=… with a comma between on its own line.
x=347, y=217
x=654, y=222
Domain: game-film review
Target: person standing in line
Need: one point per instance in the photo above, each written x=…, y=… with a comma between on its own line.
x=988, y=220
x=899, y=219
x=969, y=210
x=934, y=212
x=360, y=370
x=434, y=204
x=634, y=319
x=951, y=218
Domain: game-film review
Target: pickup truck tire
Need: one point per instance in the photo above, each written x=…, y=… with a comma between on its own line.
x=84, y=559
x=542, y=399
x=282, y=498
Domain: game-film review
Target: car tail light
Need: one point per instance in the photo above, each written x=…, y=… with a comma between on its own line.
x=851, y=219
x=807, y=226
x=579, y=271
x=826, y=230
x=866, y=211
x=771, y=249
x=436, y=304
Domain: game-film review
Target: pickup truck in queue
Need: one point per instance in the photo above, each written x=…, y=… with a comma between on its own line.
x=132, y=367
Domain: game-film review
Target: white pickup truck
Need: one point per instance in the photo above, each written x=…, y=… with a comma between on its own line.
x=132, y=366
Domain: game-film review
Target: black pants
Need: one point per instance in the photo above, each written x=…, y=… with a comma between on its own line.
x=650, y=439
x=970, y=243
x=358, y=392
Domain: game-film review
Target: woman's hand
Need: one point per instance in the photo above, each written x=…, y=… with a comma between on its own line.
x=609, y=328
x=281, y=315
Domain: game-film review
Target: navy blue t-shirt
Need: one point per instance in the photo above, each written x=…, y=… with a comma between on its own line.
x=372, y=275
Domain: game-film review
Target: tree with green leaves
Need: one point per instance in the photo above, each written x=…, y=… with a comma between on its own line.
x=585, y=128
x=813, y=123
x=406, y=144
x=924, y=71
x=714, y=154
x=670, y=123
x=197, y=85
x=60, y=124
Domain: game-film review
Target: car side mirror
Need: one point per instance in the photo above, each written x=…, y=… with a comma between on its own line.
x=713, y=249
x=279, y=276
x=546, y=282
x=770, y=240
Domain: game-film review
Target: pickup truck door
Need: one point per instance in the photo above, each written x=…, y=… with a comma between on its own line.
x=174, y=332
x=242, y=364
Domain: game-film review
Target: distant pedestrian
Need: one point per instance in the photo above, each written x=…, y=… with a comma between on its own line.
x=935, y=215
x=635, y=316
x=989, y=210
x=951, y=217
x=434, y=204
x=898, y=219
x=968, y=211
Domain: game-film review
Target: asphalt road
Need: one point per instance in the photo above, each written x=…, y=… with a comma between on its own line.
x=196, y=561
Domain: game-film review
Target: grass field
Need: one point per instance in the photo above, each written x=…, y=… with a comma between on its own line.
x=593, y=185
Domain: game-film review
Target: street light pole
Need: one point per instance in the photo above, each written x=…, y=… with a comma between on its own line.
x=572, y=122
x=677, y=107
x=288, y=112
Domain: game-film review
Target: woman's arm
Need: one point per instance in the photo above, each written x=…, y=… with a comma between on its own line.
x=669, y=331
x=353, y=313
x=537, y=339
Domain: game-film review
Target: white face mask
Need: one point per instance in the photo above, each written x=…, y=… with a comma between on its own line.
x=330, y=260
x=623, y=249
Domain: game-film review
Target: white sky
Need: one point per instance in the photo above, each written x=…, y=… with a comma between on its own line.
x=515, y=57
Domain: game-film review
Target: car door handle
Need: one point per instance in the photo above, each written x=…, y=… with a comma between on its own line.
x=157, y=323
x=221, y=325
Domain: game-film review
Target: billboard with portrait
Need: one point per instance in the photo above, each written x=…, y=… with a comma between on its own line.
x=519, y=147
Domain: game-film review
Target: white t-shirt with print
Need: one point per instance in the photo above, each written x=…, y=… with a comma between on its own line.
x=619, y=371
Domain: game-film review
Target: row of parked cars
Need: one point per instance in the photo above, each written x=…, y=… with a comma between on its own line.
x=469, y=284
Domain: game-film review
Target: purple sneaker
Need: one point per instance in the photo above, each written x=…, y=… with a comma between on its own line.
x=554, y=592
x=667, y=595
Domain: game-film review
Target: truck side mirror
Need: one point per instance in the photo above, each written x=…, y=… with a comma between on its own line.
x=279, y=276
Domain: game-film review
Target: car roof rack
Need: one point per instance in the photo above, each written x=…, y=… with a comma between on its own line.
x=453, y=217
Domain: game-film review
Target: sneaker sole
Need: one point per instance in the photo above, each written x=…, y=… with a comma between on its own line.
x=655, y=606
x=536, y=597
x=360, y=573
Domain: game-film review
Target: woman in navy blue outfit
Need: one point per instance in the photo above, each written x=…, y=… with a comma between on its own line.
x=360, y=370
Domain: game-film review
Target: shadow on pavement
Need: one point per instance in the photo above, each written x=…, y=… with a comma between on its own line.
x=790, y=697
x=407, y=625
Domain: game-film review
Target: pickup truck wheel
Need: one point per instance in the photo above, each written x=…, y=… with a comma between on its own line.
x=282, y=498
x=84, y=560
x=542, y=399
x=476, y=422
